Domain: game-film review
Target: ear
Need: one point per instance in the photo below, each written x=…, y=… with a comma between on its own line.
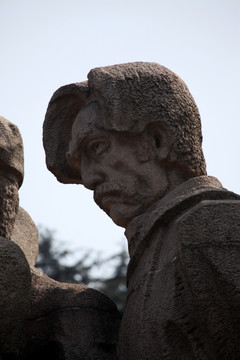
x=161, y=140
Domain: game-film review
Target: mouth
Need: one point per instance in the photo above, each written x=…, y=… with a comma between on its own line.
x=107, y=193
x=110, y=194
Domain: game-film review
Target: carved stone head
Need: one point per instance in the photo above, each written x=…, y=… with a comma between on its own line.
x=131, y=134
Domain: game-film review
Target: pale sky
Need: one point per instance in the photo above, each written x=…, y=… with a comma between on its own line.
x=49, y=43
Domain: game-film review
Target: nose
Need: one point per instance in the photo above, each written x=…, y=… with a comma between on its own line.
x=91, y=175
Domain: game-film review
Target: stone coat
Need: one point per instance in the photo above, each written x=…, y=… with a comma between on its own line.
x=183, y=298
x=68, y=322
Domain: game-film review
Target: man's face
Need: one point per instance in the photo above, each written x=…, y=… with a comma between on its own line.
x=124, y=185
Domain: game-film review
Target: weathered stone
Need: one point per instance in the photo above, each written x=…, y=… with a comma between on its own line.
x=183, y=276
x=8, y=206
x=11, y=151
x=25, y=234
x=135, y=140
x=131, y=97
x=15, y=278
x=62, y=110
x=69, y=322
x=39, y=316
x=11, y=174
x=15, y=286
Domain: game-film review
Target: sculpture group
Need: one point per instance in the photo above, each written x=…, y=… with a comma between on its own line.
x=132, y=135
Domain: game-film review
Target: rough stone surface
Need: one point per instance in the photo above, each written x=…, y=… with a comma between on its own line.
x=15, y=286
x=183, y=277
x=11, y=174
x=62, y=110
x=131, y=96
x=8, y=206
x=11, y=151
x=15, y=278
x=41, y=318
x=69, y=322
x=135, y=140
x=25, y=234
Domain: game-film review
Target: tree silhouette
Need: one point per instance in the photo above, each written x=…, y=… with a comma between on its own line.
x=85, y=268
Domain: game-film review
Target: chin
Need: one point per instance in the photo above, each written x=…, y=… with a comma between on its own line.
x=118, y=218
x=119, y=221
x=123, y=217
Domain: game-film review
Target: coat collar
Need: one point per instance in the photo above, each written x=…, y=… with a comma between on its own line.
x=181, y=198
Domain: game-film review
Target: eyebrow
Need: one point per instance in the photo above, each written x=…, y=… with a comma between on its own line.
x=85, y=137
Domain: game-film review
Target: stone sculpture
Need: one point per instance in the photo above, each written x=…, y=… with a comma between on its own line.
x=42, y=318
x=11, y=173
x=132, y=134
x=15, y=280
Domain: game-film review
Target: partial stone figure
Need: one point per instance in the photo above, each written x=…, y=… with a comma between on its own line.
x=11, y=174
x=15, y=279
x=64, y=321
x=132, y=134
x=42, y=318
x=25, y=234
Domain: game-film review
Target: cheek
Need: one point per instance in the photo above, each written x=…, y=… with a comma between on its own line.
x=151, y=185
x=119, y=164
x=121, y=158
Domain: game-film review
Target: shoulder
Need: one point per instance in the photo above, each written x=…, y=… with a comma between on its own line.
x=49, y=296
x=215, y=220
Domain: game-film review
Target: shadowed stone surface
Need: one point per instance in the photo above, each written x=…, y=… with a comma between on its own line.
x=15, y=278
x=41, y=318
x=25, y=234
x=68, y=321
x=65, y=321
x=15, y=286
x=132, y=134
x=62, y=110
x=183, y=276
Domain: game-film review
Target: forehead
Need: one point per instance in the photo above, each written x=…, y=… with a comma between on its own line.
x=87, y=120
x=88, y=117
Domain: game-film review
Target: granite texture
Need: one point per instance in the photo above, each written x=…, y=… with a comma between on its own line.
x=25, y=234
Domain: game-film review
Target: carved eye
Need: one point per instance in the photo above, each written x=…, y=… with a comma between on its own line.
x=97, y=147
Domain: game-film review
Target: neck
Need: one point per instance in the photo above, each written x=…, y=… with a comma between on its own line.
x=141, y=225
